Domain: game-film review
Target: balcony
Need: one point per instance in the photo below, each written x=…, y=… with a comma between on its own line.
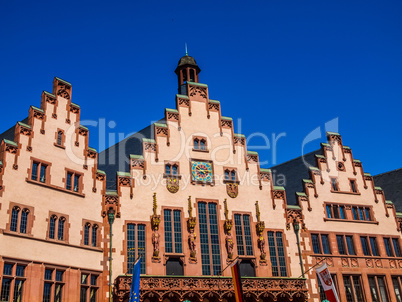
x=208, y=288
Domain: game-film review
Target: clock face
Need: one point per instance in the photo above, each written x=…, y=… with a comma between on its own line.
x=201, y=171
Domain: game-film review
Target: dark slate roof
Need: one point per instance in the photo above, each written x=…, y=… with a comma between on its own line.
x=391, y=183
x=187, y=60
x=117, y=157
x=9, y=134
x=290, y=174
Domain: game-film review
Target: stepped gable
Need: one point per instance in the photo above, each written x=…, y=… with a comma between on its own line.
x=117, y=157
x=292, y=172
x=9, y=134
x=391, y=183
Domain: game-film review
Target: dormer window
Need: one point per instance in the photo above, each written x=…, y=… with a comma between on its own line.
x=200, y=144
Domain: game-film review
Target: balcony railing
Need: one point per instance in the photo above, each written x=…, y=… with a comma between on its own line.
x=157, y=288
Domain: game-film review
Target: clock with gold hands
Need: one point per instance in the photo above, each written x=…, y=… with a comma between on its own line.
x=201, y=171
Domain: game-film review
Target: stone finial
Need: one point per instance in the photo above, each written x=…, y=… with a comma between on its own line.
x=155, y=205
x=190, y=207
x=226, y=209
x=257, y=208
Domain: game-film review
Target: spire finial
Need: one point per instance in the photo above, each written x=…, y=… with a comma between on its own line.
x=185, y=44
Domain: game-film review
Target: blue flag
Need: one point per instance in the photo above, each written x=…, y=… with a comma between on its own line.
x=135, y=283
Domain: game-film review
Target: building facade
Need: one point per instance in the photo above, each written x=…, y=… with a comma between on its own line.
x=187, y=197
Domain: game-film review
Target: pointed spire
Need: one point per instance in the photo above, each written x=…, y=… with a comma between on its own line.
x=185, y=45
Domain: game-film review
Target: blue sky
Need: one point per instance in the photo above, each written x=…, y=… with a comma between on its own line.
x=281, y=66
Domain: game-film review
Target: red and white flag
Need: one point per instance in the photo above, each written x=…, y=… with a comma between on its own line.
x=327, y=283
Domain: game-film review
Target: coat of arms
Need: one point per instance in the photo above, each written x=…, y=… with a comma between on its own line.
x=172, y=184
x=232, y=189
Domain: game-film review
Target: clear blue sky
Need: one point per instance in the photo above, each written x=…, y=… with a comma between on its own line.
x=280, y=66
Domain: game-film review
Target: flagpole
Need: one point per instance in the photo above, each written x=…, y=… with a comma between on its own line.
x=132, y=265
x=314, y=265
x=229, y=265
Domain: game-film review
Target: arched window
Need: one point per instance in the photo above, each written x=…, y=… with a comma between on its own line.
x=202, y=143
x=192, y=75
x=60, y=231
x=196, y=144
x=94, y=235
x=167, y=169
x=174, y=170
x=233, y=175
x=52, y=226
x=59, y=138
x=226, y=174
x=184, y=71
x=24, y=221
x=14, y=219
x=86, y=233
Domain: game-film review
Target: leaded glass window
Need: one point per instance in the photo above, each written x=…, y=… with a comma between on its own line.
x=14, y=219
x=173, y=238
x=243, y=235
x=135, y=246
x=277, y=254
x=209, y=238
x=52, y=227
x=24, y=221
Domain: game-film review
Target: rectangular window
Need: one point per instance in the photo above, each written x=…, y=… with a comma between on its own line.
x=396, y=282
x=334, y=184
x=316, y=244
x=355, y=215
x=353, y=186
x=277, y=254
x=209, y=237
x=325, y=244
x=365, y=246
x=342, y=212
x=388, y=247
x=320, y=244
x=38, y=171
x=378, y=288
x=73, y=182
x=89, y=287
x=397, y=247
x=13, y=275
x=173, y=238
x=353, y=289
x=350, y=245
x=243, y=235
x=329, y=211
x=374, y=248
x=335, y=211
x=135, y=246
x=53, y=285
x=341, y=244
x=361, y=213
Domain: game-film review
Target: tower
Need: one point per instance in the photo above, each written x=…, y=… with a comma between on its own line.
x=187, y=70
